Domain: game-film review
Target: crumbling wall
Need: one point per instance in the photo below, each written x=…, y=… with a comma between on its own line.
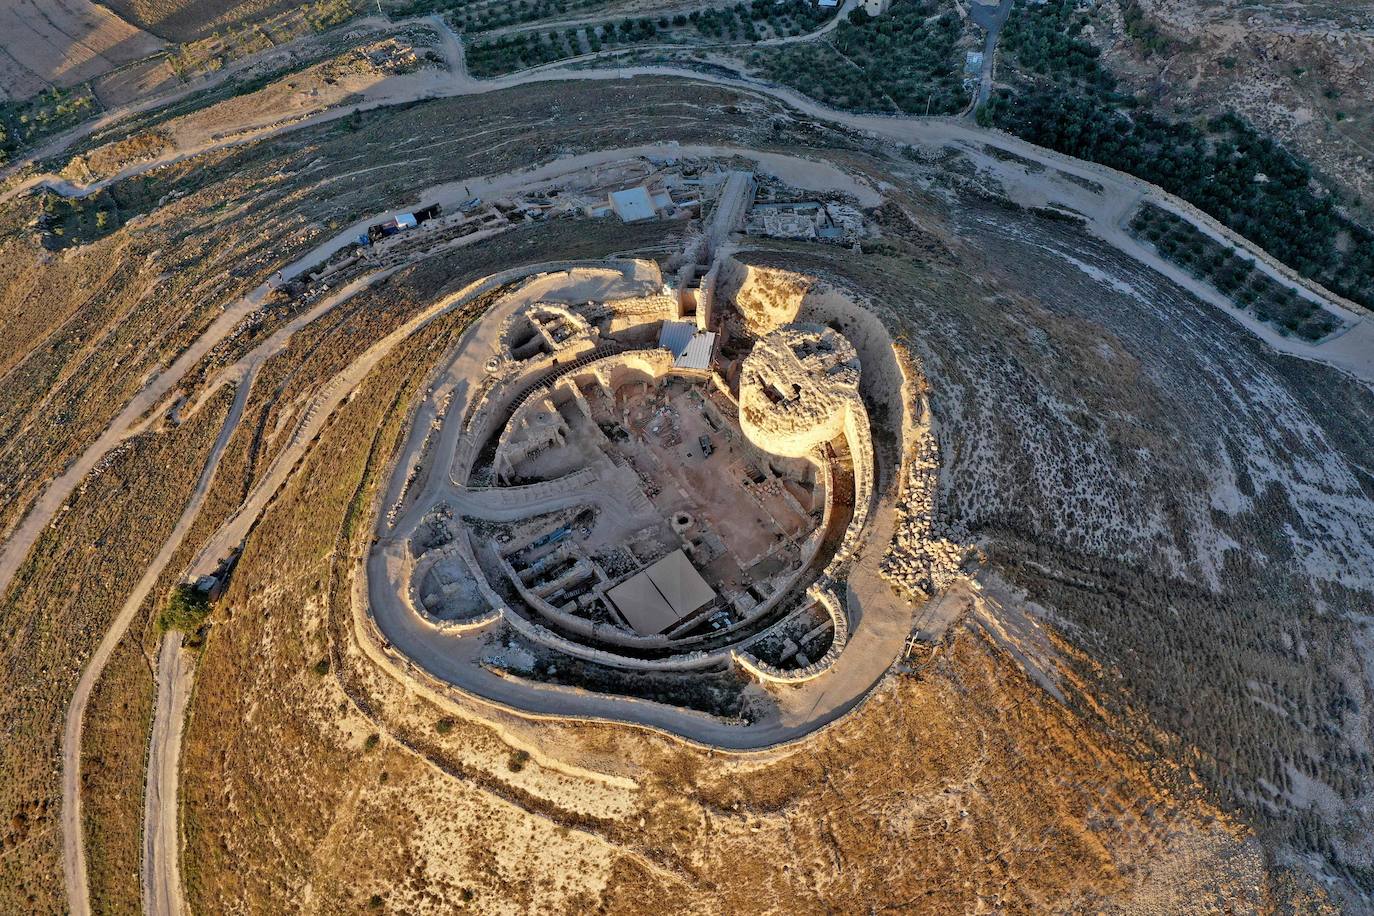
x=688, y=661
x=921, y=558
x=860, y=441
x=824, y=592
x=460, y=547
x=766, y=298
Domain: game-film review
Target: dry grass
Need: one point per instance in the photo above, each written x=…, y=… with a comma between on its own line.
x=966, y=788
x=1087, y=430
x=57, y=609
x=112, y=769
x=221, y=20
x=81, y=332
x=919, y=801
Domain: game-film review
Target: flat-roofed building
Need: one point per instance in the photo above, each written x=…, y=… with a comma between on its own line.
x=633, y=204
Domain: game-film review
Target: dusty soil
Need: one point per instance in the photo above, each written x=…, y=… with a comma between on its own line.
x=919, y=798
x=187, y=20
x=62, y=43
x=1184, y=507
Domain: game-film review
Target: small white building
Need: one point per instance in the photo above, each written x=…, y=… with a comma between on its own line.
x=633, y=204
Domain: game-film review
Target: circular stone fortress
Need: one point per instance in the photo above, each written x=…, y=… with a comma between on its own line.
x=613, y=494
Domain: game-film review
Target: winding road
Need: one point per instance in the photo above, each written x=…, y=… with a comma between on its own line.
x=73, y=845
x=1105, y=212
x=161, y=873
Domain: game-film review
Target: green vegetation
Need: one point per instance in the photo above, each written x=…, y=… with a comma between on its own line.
x=1144, y=32
x=24, y=124
x=67, y=221
x=1044, y=41
x=906, y=61
x=325, y=14
x=187, y=609
x=1066, y=100
x=739, y=23
x=1267, y=299
x=495, y=14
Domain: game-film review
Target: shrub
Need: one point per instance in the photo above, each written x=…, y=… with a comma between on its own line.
x=187, y=609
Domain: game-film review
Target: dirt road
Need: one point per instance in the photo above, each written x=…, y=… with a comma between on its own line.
x=161, y=873
x=1353, y=352
x=1104, y=210
x=235, y=530
x=73, y=845
x=414, y=646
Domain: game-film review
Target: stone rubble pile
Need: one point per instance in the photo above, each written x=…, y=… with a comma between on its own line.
x=922, y=557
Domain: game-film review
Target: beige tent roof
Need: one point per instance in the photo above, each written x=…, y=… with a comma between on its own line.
x=680, y=583
x=655, y=599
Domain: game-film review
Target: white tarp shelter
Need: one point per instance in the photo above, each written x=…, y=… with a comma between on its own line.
x=691, y=347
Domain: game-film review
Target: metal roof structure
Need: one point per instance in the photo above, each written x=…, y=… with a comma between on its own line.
x=633, y=204
x=690, y=346
x=676, y=335
x=657, y=598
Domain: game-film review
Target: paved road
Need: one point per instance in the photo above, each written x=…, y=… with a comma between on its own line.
x=161, y=873
x=991, y=17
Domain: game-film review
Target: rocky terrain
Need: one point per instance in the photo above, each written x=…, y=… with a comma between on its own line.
x=1132, y=524
x=1302, y=73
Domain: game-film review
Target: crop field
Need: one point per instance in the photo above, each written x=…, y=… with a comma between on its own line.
x=485, y=15
x=740, y=24
x=64, y=43
x=1268, y=301
x=25, y=123
x=1062, y=95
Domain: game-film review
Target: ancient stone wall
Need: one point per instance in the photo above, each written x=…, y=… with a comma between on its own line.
x=825, y=594
x=461, y=548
